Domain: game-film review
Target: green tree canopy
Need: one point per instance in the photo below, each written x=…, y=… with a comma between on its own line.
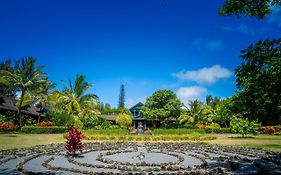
x=26, y=77
x=259, y=81
x=74, y=100
x=161, y=105
x=7, y=90
x=124, y=120
x=257, y=8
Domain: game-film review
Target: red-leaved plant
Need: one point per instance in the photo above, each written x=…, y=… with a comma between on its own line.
x=73, y=142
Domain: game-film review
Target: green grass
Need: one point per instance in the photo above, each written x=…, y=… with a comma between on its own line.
x=10, y=141
x=272, y=147
x=20, y=140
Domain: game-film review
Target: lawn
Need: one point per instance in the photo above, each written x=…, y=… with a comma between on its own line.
x=267, y=142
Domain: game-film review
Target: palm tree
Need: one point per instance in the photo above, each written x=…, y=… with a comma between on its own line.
x=42, y=97
x=74, y=100
x=25, y=77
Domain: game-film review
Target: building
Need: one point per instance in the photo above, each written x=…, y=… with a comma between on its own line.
x=9, y=104
x=137, y=116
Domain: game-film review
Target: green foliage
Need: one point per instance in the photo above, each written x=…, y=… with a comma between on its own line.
x=224, y=112
x=2, y=118
x=244, y=126
x=26, y=77
x=213, y=128
x=91, y=132
x=161, y=105
x=74, y=122
x=177, y=131
x=92, y=121
x=58, y=118
x=74, y=100
x=43, y=130
x=121, y=102
x=124, y=120
x=7, y=90
x=258, y=79
x=257, y=8
x=277, y=133
x=117, y=111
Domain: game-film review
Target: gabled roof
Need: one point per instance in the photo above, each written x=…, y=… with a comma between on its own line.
x=9, y=103
x=137, y=106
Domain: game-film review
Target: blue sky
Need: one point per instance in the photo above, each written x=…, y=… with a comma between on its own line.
x=146, y=45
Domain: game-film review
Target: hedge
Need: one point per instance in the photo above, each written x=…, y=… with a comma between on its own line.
x=43, y=130
x=106, y=132
x=177, y=131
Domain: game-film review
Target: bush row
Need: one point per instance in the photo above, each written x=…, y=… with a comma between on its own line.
x=190, y=137
x=270, y=129
x=106, y=132
x=43, y=130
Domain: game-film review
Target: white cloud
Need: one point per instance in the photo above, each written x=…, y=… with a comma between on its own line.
x=130, y=102
x=206, y=75
x=185, y=94
x=244, y=29
x=207, y=44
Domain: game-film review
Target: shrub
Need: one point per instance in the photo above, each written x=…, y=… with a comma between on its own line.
x=43, y=130
x=213, y=128
x=277, y=133
x=74, y=122
x=91, y=121
x=45, y=124
x=270, y=129
x=177, y=131
x=59, y=119
x=124, y=120
x=244, y=126
x=200, y=126
x=5, y=126
x=73, y=142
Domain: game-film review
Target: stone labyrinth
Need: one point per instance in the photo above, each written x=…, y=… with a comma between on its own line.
x=136, y=158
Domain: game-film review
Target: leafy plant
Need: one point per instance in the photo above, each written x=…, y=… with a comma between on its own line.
x=213, y=127
x=73, y=142
x=124, y=120
x=43, y=130
x=74, y=122
x=243, y=126
x=6, y=126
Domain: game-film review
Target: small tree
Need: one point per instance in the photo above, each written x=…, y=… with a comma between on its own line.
x=73, y=142
x=124, y=120
x=244, y=126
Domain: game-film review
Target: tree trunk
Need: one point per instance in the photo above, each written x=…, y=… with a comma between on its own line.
x=19, y=108
x=40, y=113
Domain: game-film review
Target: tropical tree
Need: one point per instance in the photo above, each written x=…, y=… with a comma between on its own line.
x=257, y=8
x=74, y=100
x=161, y=105
x=197, y=113
x=9, y=91
x=259, y=82
x=27, y=77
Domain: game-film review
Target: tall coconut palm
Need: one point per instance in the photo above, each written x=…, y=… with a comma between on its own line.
x=74, y=100
x=25, y=77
